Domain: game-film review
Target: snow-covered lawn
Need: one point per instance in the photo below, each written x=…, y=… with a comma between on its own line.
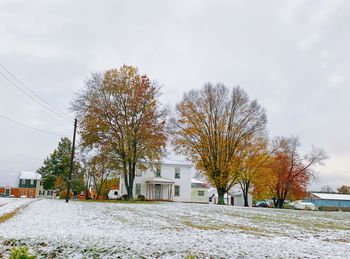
x=53, y=228
x=8, y=205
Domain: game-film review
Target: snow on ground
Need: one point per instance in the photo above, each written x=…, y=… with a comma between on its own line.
x=8, y=205
x=52, y=228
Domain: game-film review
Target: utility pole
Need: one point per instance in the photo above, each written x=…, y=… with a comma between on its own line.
x=71, y=161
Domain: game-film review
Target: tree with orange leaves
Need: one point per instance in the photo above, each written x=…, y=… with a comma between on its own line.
x=288, y=172
x=119, y=113
x=212, y=126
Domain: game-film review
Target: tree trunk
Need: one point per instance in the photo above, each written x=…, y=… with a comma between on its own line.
x=131, y=167
x=275, y=202
x=130, y=187
x=221, y=196
x=280, y=203
x=245, y=194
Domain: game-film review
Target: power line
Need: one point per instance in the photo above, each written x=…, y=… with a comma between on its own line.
x=33, y=128
x=34, y=93
x=30, y=96
x=25, y=100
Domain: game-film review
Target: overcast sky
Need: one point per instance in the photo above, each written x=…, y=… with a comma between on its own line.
x=292, y=56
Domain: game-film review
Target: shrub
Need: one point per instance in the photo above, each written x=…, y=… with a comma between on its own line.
x=124, y=197
x=21, y=253
x=141, y=197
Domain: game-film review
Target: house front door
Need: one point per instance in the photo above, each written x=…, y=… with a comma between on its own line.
x=7, y=192
x=157, y=192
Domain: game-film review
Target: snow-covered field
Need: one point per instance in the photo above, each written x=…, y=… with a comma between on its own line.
x=8, y=205
x=52, y=228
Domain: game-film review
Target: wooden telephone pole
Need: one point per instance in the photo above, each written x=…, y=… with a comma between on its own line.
x=71, y=161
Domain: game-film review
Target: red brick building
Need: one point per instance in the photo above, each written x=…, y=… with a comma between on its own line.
x=19, y=184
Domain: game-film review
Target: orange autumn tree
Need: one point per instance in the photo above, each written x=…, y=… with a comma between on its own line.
x=255, y=158
x=288, y=172
x=119, y=114
x=212, y=126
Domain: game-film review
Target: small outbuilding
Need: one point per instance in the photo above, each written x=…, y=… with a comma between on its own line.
x=199, y=191
x=234, y=197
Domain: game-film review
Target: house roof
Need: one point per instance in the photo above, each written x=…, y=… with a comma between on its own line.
x=176, y=162
x=30, y=175
x=9, y=179
x=198, y=183
x=160, y=180
x=332, y=196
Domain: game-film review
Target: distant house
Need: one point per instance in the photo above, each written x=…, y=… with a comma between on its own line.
x=199, y=191
x=330, y=200
x=167, y=180
x=19, y=184
x=234, y=197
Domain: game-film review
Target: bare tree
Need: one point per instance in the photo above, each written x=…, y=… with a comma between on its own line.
x=326, y=189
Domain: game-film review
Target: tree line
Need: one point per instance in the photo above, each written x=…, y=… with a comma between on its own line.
x=122, y=123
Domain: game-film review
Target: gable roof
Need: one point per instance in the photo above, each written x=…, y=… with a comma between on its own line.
x=160, y=180
x=30, y=175
x=332, y=196
x=9, y=179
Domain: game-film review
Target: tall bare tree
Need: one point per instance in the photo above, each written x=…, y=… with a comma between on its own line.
x=212, y=126
x=119, y=113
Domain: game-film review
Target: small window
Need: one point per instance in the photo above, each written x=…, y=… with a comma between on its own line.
x=138, y=173
x=138, y=189
x=177, y=190
x=23, y=181
x=158, y=172
x=43, y=192
x=177, y=173
x=115, y=193
x=39, y=192
x=200, y=193
x=31, y=181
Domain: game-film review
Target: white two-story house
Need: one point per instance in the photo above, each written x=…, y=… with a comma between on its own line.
x=166, y=181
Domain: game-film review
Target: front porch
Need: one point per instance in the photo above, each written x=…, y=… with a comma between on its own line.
x=159, y=189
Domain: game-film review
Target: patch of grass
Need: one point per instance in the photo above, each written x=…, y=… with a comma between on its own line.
x=200, y=227
x=121, y=201
x=21, y=253
x=9, y=215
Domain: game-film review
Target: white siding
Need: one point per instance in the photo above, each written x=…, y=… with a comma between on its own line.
x=167, y=172
x=196, y=198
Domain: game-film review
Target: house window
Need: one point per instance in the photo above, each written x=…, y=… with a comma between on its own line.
x=138, y=173
x=177, y=190
x=31, y=181
x=43, y=192
x=200, y=193
x=138, y=189
x=39, y=192
x=158, y=172
x=177, y=173
x=23, y=181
